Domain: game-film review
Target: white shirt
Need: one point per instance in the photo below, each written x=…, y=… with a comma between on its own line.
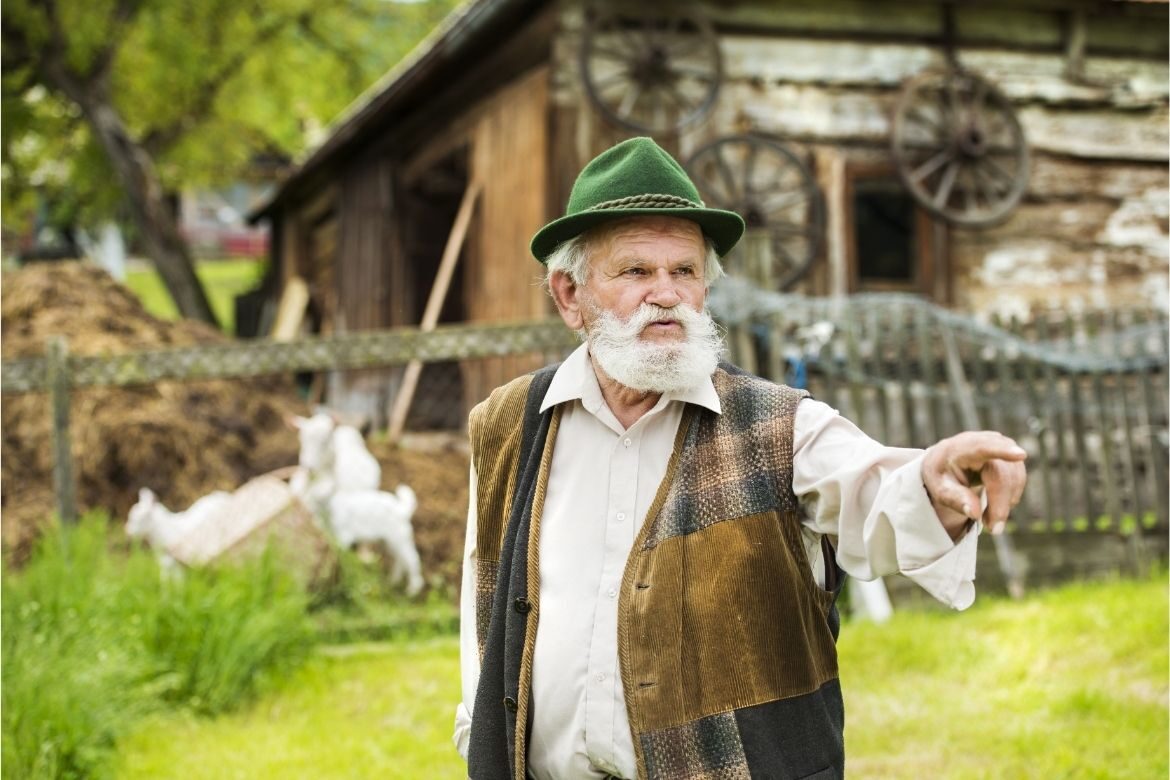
x=870, y=497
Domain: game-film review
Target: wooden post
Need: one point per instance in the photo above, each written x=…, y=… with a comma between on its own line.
x=434, y=305
x=57, y=376
x=969, y=414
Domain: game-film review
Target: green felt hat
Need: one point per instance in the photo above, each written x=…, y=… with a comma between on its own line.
x=636, y=178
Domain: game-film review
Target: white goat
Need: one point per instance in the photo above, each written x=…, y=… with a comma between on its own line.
x=378, y=516
x=162, y=528
x=333, y=457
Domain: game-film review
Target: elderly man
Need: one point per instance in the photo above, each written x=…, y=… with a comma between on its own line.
x=655, y=539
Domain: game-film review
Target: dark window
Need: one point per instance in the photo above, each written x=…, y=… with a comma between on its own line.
x=884, y=228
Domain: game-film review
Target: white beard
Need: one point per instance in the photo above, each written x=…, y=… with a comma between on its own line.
x=650, y=366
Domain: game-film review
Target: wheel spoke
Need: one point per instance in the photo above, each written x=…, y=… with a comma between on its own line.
x=931, y=165
x=986, y=187
x=680, y=100
x=1006, y=178
x=699, y=74
x=630, y=99
x=784, y=200
x=607, y=53
x=749, y=167
x=621, y=77
x=727, y=175
x=945, y=185
x=708, y=185
x=917, y=113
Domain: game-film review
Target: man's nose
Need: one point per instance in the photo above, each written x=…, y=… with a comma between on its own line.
x=664, y=290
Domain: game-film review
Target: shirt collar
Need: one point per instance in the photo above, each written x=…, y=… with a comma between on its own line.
x=576, y=381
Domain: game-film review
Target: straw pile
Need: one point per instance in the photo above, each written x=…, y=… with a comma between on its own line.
x=181, y=439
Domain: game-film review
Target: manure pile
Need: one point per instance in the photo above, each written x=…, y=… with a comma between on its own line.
x=181, y=439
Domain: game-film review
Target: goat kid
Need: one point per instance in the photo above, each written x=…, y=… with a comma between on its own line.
x=333, y=458
x=162, y=528
x=379, y=516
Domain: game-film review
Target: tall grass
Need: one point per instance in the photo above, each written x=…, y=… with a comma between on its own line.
x=93, y=641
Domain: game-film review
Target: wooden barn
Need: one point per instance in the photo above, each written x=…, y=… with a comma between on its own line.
x=1001, y=156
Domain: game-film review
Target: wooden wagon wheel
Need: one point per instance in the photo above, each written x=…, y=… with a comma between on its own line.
x=652, y=71
x=959, y=147
x=772, y=190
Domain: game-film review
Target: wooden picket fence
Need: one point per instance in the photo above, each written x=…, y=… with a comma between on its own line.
x=1085, y=394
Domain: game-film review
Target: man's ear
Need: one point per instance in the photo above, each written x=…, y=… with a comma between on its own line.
x=567, y=296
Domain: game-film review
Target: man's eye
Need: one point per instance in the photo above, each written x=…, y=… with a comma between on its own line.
x=685, y=271
x=635, y=271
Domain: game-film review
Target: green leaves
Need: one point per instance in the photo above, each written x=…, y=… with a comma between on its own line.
x=202, y=87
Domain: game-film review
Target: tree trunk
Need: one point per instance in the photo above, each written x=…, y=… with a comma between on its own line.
x=148, y=205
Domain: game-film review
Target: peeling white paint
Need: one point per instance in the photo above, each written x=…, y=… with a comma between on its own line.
x=1156, y=290
x=1018, y=265
x=1140, y=221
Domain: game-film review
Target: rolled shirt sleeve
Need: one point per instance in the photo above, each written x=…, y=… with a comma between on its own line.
x=870, y=498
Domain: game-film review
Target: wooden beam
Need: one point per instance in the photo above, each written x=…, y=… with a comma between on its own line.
x=435, y=300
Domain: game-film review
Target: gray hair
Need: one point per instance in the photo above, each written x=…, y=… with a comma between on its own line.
x=572, y=258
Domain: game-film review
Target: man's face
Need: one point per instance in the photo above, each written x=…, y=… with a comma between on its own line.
x=641, y=306
x=654, y=260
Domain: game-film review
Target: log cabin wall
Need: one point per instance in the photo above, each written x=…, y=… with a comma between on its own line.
x=823, y=78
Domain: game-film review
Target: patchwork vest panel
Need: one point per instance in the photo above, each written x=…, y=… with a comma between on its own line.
x=725, y=640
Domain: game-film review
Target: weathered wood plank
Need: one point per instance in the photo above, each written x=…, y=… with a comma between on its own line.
x=1036, y=24
x=1022, y=76
x=1077, y=411
x=1054, y=177
x=813, y=113
x=1055, y=422
x=1125, y=410
x=1038, y=425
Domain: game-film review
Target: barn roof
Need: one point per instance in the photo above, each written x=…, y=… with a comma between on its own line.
x=462, y=37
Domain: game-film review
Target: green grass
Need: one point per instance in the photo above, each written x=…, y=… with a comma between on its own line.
x=375, y=710
x=1067, y=684
x=93, y=641
x=222, y=279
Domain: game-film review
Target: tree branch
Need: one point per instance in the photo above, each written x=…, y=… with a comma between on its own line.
x=161, y=138
x=124, y=12
x=353, y=68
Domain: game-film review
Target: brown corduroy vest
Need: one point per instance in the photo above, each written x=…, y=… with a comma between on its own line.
x=726, y=642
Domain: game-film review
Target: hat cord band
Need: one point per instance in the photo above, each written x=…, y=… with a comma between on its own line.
x=648, y=201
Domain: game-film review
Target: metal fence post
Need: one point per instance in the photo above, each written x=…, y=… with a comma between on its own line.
x=58, y=379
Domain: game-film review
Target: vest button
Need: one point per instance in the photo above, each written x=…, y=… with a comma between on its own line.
x=521, y=605
x=509, y=704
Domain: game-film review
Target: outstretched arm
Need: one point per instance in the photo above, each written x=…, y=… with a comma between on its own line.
x=957, y=470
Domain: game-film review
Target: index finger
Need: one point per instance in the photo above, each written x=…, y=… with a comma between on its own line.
x=977, y=448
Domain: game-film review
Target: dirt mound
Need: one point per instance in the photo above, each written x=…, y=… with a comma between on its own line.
x=182, y=439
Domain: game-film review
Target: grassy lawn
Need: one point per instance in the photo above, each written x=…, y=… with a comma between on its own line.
x=1071, y=684
x=377, y=710
x=222, y=279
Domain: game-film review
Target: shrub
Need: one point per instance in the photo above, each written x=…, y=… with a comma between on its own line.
x=94, y=640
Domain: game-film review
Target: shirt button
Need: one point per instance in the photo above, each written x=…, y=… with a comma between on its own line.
x=627, y=443
x=601, y=677
x=612, y=592
x=621, y=516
